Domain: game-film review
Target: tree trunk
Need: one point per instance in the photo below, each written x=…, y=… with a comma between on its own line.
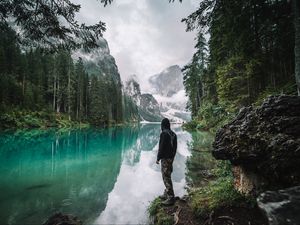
x=297, y=43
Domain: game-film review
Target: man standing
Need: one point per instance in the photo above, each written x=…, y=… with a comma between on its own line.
x=166, y=153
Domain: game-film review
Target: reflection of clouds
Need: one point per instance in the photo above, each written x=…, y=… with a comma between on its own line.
x=139, y=183
x=148, y=137
x=71, y=172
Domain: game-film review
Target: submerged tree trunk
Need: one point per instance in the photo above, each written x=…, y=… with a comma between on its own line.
x=297, y=43
x=69, y=90
x=58, y=97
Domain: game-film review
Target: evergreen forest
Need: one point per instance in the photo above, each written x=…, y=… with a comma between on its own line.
x=42, y=88
x=249, y=56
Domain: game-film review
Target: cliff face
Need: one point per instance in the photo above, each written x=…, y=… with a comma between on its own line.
x=107, y=103
x=147, y=105
x=168, y=82
x=99, y=61
x=263, y=144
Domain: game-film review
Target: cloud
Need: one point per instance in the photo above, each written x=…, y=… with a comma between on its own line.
x=144, y=36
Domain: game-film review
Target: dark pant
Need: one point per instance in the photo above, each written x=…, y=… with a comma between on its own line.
x=166, y=170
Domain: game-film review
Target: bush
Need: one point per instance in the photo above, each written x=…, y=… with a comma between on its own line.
x=211, y=117
x=217, y=194
x=192, y=125
x=154, y=207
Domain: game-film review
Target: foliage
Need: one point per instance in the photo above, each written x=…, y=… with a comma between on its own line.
x=154, y=207
x=49, y=24
x=37, y=81
x=191, y=125
x=35, y=119
x=218, y=193
x=156, y=212
x=250, y=56
x=194, y=76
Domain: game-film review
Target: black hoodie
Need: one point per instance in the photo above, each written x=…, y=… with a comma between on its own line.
x=167, y=142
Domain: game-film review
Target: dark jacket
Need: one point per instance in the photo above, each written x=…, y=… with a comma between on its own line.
x=167, y=143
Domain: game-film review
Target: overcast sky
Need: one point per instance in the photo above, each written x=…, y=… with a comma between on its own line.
x=144, y=36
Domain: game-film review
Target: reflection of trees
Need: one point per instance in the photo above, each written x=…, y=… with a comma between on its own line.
x=200, y=163
x=47, y=171
x=148, y=137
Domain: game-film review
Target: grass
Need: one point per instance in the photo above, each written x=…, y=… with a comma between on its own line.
x=158, y=215
x=218, y=193
x=37, y=119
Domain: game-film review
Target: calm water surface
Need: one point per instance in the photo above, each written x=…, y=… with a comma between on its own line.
x=100, y=175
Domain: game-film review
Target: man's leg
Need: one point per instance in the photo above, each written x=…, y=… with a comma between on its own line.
x=166, y=169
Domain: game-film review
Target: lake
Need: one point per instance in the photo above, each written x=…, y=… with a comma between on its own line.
x=103, y=176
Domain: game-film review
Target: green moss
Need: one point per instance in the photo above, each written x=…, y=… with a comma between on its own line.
x=154, y=207
x=164, y=219
x=219, y=193
x=157, y=213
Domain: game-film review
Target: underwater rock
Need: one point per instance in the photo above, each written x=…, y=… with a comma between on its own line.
x=281, y=207
x=59, y=219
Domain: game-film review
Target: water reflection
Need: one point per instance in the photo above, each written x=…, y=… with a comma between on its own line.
x=100, y=175
x=140, y=182
x=201, y=161
x=47, y=171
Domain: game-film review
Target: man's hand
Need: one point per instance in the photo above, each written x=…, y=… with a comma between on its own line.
x=157, y=162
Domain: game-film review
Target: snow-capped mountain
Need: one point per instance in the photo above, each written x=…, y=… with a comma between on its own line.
x=147, y=105
x=167, y=88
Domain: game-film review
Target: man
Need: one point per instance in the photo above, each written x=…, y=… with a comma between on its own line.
x=166, y=153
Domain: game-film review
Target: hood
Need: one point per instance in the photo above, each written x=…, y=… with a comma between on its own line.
x=165, y=124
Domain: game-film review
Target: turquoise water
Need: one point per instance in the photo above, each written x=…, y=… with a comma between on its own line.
x=100, y=175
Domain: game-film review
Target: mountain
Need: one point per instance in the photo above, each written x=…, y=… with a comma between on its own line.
x=147, y=105
x=106, y=102
x=167, y=88
x=168, y=82
x=98, y=61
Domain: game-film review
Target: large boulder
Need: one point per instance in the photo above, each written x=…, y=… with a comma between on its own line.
x=263, y=144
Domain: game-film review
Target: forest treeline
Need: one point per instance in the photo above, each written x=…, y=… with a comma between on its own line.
x=249, y=55
x=34, y=80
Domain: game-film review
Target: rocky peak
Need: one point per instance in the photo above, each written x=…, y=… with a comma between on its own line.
x=98, y=61
x=147, y=105
x=132, y=88
x=168, y=82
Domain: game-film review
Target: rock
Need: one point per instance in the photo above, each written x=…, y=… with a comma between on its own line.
x=63, y=219
x=147, y=105
x=168, y=89
x=168, y=82
x=264, y=142
x=281, y=207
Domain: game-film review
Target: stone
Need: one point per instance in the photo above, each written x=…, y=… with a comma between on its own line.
x=281, y=207
x=63, y=219
x=264, y=142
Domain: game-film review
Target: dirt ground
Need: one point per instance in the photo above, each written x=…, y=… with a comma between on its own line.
x=183, y=215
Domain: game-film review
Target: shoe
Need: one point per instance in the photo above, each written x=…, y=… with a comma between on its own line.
x=168, y=202
x=163, y=197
